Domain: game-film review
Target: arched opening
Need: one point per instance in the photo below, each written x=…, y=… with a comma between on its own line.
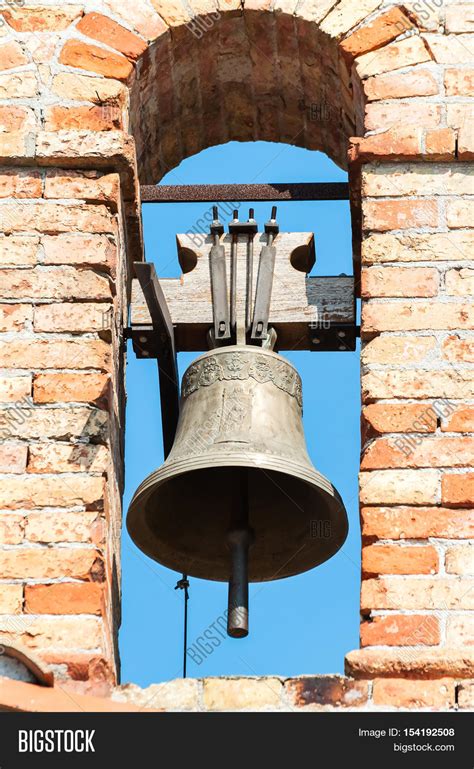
x=314, y=614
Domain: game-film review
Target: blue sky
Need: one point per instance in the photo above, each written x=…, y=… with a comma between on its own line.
x=300, y=625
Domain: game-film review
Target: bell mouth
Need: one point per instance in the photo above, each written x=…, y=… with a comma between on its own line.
x=180, y=516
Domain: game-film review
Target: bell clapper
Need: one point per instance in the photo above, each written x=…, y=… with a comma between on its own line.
x=239, y=540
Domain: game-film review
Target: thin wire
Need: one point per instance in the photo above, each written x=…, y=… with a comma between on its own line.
x=183, y=584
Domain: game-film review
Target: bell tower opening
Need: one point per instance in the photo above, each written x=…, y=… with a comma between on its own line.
x=313, y=614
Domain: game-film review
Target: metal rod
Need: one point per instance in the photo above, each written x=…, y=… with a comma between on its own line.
x=183, y=584
x=249, y=296
x=239, y=539
x=210, y=193
x=233, y=288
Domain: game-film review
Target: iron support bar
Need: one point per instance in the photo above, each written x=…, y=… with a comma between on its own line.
x=210, y=193
x=158, y=341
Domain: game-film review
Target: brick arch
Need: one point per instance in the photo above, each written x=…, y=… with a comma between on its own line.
x=240, y=71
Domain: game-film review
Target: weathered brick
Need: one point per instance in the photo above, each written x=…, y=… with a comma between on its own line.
x=312, y=692
x=20, y=184
x=378, y=33
x=30, y=491
x=465, y=143
x=68, y=388
x=421, y=663
x=400, y=417
x=460, y=282
x=399, y=559
x=458, y=349
x=416, y=593
x=459, y=18
x=85, y=88
x=11, y=599
x=416, y=523
x=53, y=218
x=13, y=458
x=22, y=85
x=173, y=12
x=83, y=184
x=66, y=598
x=424, y=452
x=223, y=694
x=440, y=144
x=43, y=354
x=67, y=458
x=47, y=527
x=11, y=528
x=345, y=15
x=460, y=559
x=140, y=16
x=406, y=113
x=401, y=630
x=15, y=389
x=457, y=490
x=460, y=213
x=98, y=118
x=437, y=247
x=41, y=18
x=461, y=421
x=15, y=317
x=393, y=56
x=459, y=82
x=392, y=487
x=383, y=215
x=387, y=349
x=11, y=55
x=416, y=179
x=418, y=384
x=82, y=55
x=48, y=563
x=18, y=251
x=460, y=630
x=59, y=423
x=54, y=283
x=84, y=316
x=52, y=633
x=399, y=281
x=400, y=85
x=449, y=49
x=81, y=250
x=16, y=119
x=399, y=143
x=101, y=28
x=419, y=316
x=403, y=693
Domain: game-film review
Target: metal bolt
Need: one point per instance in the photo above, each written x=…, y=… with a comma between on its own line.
x=143, y=339
x=145, y=353
x=341, y=347
x=316, y=340
x=341, y=334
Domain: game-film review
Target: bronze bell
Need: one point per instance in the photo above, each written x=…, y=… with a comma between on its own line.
x=238, y=499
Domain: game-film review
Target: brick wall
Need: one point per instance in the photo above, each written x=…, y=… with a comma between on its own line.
x=394, y=85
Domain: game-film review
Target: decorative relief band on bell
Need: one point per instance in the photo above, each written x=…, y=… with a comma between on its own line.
x=241, y=366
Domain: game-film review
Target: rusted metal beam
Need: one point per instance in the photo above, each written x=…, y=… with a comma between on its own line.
x=213, y=193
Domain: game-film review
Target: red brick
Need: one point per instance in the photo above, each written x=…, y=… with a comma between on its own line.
x=378, y=33
x=81, y=250
x=332, y=691
x=402, y=53
x=395, y=113
x=384, y=215
x=103, y=29
x=401, y=630
x=67, y=458
x=63, y=526
x=421, y=663
x=419, y=82
x=16, y=118
x=394, y=144
x=41, y=18
x=85, y=185
x=52, y=563
x=440, y=144
x=11, y=529
x=398, y=559
x=54, y=283
x=94, y=59
x=430, y=383
x=53, y=218
x=460, y=213
x=461, y=421
x=67, y=316
x=66, y=598
x=13, y=457
x=19, y=184
x=412, y=592
x=403, y=693
x=15, y=317
x=43, y=354
x=67, y=388
x=400, y=417
x=422, y=452
x=91, y=118
x=399, y=281
x=416, y=523
x=392, y=487
x=457, y=490
x=28, y=491
x=458, y=349
x=416, y=316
